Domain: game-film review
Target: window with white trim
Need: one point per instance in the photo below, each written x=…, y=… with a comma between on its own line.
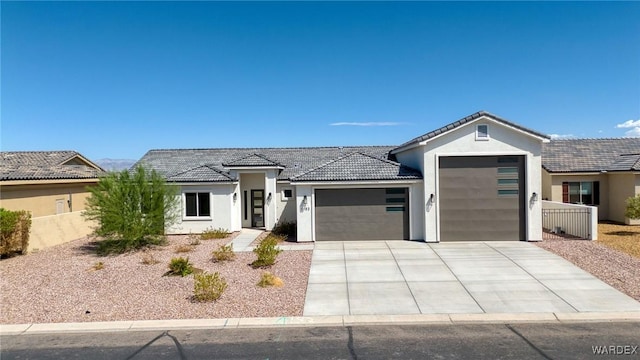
x=482, y=132
x=197, y=204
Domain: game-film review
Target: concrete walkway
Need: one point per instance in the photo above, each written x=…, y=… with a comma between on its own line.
x=242, y=242
x=244, y=239
x=403, y=277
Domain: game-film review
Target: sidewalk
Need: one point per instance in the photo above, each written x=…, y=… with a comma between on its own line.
x=314, y=321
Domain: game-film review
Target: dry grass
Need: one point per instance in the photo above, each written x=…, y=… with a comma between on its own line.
x=268, y=279
x=183, y=248
x=625, y=238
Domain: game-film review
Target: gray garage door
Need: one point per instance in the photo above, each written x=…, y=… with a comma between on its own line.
x=362, y=214
x=482, y=198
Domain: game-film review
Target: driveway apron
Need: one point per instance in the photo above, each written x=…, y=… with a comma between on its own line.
x=406, y=277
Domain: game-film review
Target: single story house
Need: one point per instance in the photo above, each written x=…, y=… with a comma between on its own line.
x=46, y=182
x=598, y=172
x=477, y=178
x=52, y=185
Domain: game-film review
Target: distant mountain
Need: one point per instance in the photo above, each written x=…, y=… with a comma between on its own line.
x=115, y=164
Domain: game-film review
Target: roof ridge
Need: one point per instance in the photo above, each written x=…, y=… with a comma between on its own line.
x=451, y=126
x=277, y=148
x=208, y=166
x=325, y=164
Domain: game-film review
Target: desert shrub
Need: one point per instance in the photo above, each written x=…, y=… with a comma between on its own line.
x=183, y=248
x=267, y=251
x=224, y=253
x=98, y=265
x=285, y=228
x=194, y=240
x=632, y=211
x=14, y=231
x=132, y=209
x=208, y=287
x=180, y=266
x=218, y=233
x=149, y=259
x=268, y=279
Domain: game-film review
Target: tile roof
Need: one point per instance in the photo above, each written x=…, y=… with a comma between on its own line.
x=359, y=166
x=588, y=155
x=296, y=161
x=465, y=120
x=203, y=173
x=46, y=165
x=251, y=160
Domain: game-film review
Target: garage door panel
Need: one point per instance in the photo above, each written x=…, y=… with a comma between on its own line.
x=476, y=203
x=361, y=214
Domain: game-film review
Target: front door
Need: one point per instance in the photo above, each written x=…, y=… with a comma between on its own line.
x=257, y=208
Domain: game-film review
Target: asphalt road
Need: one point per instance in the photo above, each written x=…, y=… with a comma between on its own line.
x=473, y=341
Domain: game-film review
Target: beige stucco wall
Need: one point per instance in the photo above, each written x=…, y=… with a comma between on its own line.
x=40, y=199
x=621, y=187
x=554, y=193
x=47, y=231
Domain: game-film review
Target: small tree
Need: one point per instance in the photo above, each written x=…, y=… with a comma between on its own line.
x=132, y=209
x=633, y=207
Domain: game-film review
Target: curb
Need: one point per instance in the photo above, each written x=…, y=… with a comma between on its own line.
x=313, y=321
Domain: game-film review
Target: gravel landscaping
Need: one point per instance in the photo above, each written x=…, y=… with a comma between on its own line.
x=62, y=284
x=616, y=268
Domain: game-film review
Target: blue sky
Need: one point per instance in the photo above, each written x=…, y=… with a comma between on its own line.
x=116, y=79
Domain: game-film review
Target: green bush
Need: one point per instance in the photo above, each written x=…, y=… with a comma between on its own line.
x=285, y=228
x=180, y=266
x=224, y=253
x=219, y=233
x=14, y=231
x=632, y=210
x=208, y=287
x=132, y=209
x=267, y=251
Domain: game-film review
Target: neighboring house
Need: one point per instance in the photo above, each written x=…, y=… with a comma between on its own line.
x=45, y=182
x=475, y=179
x=52, y=186
x=599, y=172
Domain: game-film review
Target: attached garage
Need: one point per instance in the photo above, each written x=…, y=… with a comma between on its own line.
x=482, y=198
x=362, y=214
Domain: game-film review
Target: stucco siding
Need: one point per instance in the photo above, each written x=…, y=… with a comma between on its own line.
x=42, y=199
x=47, y=231
x=621, y=187
x=603, y=207
x=285, y=208
x=503, y=141
x=221, y=202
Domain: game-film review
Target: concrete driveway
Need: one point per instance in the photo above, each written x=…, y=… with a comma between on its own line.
x=404, y=277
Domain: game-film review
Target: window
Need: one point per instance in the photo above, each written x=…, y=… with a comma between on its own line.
x=482, y=132
x=582, y=192
x=197, y=204
x=287, y=194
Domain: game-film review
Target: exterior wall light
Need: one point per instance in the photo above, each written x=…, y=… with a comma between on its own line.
x=534, y=197
x=304, y=200
x=269, y=197
x=235, y=196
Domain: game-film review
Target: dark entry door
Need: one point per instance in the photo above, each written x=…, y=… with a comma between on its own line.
x=482, y=198
x=257, y=208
